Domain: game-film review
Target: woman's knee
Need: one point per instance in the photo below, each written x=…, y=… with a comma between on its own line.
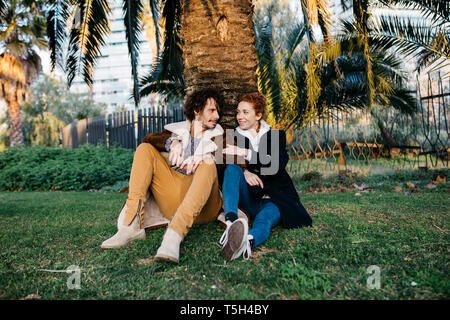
x=233, y=169
x=270, y=213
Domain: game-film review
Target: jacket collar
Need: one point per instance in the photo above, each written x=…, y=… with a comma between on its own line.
x=183, y=128
x=264, y=128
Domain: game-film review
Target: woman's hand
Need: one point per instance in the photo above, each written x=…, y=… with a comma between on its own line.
x=176, y=153
x=191, y=163
x=235, y=150
x=252, y=179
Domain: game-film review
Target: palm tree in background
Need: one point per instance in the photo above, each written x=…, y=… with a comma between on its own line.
x=425, y=39
x=212, y=42
x=343, y=80
x=22, y=30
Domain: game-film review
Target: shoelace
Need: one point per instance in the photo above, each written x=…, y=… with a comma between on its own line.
x=245, y=250
x=224, y=237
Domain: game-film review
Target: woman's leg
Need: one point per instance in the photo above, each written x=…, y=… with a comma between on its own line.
x=267, y=218
x=235, y=191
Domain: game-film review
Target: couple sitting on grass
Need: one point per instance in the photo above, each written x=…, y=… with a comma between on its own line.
x=183, y=187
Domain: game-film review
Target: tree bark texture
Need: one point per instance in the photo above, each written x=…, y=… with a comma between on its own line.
x=13, y=99
x=219, y=50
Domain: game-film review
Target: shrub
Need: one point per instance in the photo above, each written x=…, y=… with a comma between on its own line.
x=50, y=168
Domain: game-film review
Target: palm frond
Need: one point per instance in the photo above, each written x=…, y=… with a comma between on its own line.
x=414, y=38
x=132, y=20
x=57, y=15
x=437, y=11
x=155, y=81
x=172, y=61
x=324, y=19
x=295, y=36
x=2, y=8
x=166, y=74
x=403, y=100
x=87, y=37
x=268, y=77
x=154, y=7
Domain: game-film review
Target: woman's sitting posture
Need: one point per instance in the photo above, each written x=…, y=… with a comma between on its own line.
x=264, y=189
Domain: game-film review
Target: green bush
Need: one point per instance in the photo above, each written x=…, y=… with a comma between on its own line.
x=50, y=168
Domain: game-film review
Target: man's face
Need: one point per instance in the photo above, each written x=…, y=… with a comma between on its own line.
x=209, y=116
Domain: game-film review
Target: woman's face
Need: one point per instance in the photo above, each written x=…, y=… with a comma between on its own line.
x=246, y=116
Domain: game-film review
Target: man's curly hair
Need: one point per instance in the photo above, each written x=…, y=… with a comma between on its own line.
x=197, y=101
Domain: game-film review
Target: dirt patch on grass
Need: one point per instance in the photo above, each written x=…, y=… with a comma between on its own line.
x=262, y=251
x=146, y=262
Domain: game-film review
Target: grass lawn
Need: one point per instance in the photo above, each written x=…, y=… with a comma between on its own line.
x=405, y=235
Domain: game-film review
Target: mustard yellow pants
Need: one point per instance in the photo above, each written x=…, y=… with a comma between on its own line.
x=183, y=199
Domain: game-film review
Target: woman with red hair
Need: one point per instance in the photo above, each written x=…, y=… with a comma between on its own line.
x=264, y=189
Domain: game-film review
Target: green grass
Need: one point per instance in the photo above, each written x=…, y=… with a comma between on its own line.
x=406, y=236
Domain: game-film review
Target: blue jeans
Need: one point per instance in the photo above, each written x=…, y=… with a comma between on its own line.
x=235, y=192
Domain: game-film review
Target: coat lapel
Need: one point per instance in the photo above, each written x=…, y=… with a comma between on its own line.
x=206, y=145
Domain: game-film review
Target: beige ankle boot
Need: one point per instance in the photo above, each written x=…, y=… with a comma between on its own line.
x=169, y=249
x=124, y=233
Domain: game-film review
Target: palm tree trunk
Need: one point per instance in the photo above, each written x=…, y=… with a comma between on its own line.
x=361, y=13
x=16, y=134
x=219, y=50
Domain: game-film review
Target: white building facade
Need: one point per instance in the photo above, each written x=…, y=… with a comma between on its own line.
x=112, y=77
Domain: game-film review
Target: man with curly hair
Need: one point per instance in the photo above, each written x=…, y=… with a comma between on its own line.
x=185, y=186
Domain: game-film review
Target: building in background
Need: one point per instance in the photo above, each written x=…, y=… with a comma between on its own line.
x=112, y=77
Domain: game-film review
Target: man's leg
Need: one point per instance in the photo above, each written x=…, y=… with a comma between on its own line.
x=148, y=167
x=202, y=201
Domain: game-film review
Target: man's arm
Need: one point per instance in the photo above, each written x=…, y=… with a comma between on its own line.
x=158, y=139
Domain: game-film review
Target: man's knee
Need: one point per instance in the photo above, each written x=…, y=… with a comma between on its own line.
x=208, y=164
x=146, y=148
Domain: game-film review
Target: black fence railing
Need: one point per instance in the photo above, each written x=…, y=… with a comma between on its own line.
x=126, y=129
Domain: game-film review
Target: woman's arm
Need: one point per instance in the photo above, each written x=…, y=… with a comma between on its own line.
x=222, y=159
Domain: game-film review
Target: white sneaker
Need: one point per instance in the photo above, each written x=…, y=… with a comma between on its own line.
x=235, y=241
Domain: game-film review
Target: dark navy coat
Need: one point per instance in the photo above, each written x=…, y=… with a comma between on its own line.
x=269, y=163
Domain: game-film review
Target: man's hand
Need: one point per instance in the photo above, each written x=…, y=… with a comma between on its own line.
x=252, y=179
x=191, y=163
x=176, y=153
x=235, y=150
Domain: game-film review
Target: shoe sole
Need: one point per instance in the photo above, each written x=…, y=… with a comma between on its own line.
x=235, y=238
x=166, y=258
x=140, y=237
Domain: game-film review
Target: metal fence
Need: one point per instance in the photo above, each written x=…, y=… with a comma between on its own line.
x=125, y=129
x=339, y=141
x=352, y=141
